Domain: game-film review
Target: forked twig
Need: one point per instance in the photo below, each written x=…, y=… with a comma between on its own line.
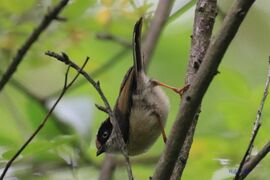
x=65, y=88
x=101, y=108
x=65, y=59
x=256, y=127
x=254, y=161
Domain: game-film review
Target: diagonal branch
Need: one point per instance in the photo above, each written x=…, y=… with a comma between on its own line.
x=108, y=168
x=256, y=127
x=52, y=15
x=193, y=97
x=103, y=68
x=204, y=19
x=254, y=161
x=29, y=140
x=65, y=59
x=157, y=24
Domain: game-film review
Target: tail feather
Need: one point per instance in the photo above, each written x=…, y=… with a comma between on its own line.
x=137, y=56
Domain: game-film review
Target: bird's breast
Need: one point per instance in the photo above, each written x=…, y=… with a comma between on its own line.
x=149, y=109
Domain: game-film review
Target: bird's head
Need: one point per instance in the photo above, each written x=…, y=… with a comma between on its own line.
x=103, y=139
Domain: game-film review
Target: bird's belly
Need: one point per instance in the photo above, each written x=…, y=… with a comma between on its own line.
x=145, y=128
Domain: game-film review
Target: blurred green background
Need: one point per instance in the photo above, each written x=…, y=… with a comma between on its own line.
x=65, y=148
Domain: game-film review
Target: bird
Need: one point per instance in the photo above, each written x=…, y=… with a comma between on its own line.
x=141, y=109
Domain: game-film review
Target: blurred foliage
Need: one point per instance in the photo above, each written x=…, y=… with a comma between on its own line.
x=228, y=110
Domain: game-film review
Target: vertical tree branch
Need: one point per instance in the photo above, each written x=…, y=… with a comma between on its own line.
x=193, y=97
x=108, y=168
x=52, y=15
x=204, y=19
x=157, y=24
x=29, y=140
x=256, y=127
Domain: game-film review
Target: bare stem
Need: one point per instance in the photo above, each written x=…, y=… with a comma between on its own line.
x=254, y=161
x=29, y=140
x=52, y=15
x=256, y=127
x=101, y=108
x=65, y=59
x=103, y=68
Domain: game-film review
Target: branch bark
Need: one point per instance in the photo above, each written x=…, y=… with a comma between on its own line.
x=157, y=24
x=254, y=161
x=40, y=127
x=193, y=97
x=256, y=128
x=108, y=168
x=52, y=15
x=204, y=20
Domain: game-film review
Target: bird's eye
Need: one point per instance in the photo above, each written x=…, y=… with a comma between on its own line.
x=105, y=134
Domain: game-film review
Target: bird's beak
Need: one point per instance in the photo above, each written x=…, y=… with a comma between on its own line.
x=100, y=148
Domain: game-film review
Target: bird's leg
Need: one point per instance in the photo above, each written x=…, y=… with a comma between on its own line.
x=179, y=91
x=162, y=131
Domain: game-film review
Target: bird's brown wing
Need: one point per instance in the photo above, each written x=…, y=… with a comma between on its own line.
x=124, y=102
x=125, y=92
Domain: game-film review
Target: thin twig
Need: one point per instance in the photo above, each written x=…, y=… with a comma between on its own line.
x=65, y=88
x=256, y=127
x=204, y=20
x=101, y=108
x=254, y=161
x=52, y=15
x=193, y=97
x=120, y=141
x=103, y=68
x=110, y=37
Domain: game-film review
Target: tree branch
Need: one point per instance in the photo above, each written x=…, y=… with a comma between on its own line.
x=65, y=88
x=65, y=59
x=157, y=24
x=52, y=15
x=204, y=20
x=256, y=127
x=254, y=161
x=108, y=168
x=103, y=68
x=193, y=97
x=101, y=108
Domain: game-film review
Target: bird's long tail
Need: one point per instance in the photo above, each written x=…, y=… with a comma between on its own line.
x=137, y=56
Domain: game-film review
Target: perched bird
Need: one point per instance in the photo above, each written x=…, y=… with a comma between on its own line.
x=141, y=109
